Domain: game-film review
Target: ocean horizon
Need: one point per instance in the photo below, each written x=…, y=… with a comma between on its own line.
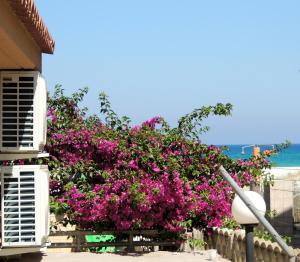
x=289, y=157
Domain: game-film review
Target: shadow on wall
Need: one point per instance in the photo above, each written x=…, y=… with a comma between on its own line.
x=282, y=197
x=281, y=200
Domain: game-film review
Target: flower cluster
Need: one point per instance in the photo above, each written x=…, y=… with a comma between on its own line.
x=136, y=178
x=125, y=204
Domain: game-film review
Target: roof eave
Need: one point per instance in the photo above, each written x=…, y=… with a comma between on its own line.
x=29, y=16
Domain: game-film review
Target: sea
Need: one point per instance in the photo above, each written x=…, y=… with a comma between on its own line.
x=289, y=157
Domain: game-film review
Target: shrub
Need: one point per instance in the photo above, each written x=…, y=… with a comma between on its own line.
x=107, y=174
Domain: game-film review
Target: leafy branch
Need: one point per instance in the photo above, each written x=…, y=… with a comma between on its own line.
x=190, y=125
x=279, y=147
x=111, y=118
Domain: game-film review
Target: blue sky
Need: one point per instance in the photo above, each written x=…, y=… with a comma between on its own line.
x=168, y=57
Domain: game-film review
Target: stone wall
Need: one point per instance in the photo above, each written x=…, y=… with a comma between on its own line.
x=230, y=244
x=57, y=226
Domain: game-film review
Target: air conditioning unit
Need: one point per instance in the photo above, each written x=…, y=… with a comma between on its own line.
x=23, y=109
x=24, y=205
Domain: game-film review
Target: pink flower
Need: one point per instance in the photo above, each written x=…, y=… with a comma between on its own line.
x=133, y=165
x=152, y=122
x=155, y=169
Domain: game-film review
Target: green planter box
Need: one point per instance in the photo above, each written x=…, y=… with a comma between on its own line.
x=100, y=238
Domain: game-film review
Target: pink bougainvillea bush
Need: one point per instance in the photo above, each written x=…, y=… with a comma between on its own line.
x=106, y=174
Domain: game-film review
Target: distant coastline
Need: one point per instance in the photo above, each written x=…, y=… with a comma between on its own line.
x=289, y=157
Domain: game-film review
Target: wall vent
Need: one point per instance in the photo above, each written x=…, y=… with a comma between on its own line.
x=23, y=107
x=25, y=214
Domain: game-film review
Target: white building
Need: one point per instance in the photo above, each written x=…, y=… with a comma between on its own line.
x=23, y=93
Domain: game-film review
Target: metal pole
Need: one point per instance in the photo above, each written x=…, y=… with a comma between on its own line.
x=251, y=185
x=249, y=243
x=258, y=215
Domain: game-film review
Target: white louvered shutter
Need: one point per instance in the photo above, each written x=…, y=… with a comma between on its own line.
x=24, y=194
x=23, y=111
